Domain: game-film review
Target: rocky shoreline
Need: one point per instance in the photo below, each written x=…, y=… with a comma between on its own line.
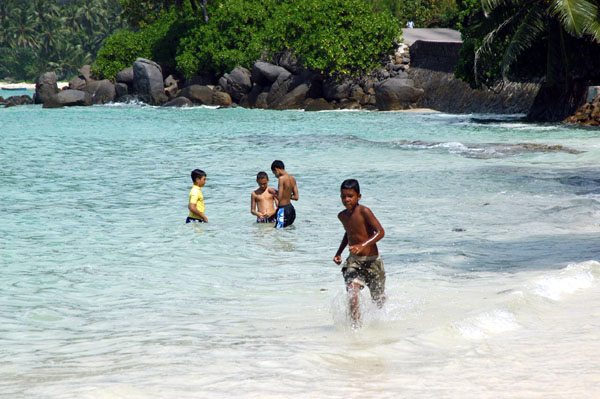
x=285, y=84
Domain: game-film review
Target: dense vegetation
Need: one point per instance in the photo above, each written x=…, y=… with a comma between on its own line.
x=53, y=35
x=512, y=40
x=331, y=36
x=196, y=36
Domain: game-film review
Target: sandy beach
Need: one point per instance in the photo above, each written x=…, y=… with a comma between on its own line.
x=28, y=86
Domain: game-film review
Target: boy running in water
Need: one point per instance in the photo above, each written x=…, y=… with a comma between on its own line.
x=363, y=265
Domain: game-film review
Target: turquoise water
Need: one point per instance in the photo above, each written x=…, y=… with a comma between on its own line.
x=9, y=93
x=491, y=249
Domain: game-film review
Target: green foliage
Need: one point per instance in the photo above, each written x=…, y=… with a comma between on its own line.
x=17, y=62
x=524, y=40
x=156, y=42
x=141, y=13
x=331, y=36
x=423, y=13
x=235, y=35
x=61, y=34
x=119, y=52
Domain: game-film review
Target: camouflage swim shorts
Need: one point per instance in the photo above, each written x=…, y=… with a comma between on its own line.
x=366, y=271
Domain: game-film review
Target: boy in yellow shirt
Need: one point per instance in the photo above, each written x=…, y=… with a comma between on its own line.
x=196, y=203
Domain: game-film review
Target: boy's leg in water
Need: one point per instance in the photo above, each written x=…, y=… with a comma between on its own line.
x=353, y=296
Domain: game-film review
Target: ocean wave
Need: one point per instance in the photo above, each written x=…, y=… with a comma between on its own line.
x=513, y=308
x=487, y=323
x=572, y=278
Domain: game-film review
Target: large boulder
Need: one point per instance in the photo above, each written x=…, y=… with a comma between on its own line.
x=125, y=76
x=68, y=98
x=148, y=81
x=289, y=61
x=179, y=102
x=395, y=94
x=198, y=94
x=16, y=100
x=250, y=99
x=264, y=73
x=77, y=83
x=335, y=91
x=221, y=98
x=171, y=86
x=294, y=99
x=282, y=86
x=121, y=89
x=45, y=88
x=102, y=91
x=237, y=83
x=86, y=73
x=318, y=104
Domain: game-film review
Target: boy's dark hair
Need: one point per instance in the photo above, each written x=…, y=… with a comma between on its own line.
x=277, y=164
x=197, y=174
x=262, y=175
x=350, y=184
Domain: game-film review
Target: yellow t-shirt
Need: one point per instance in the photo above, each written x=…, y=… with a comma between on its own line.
x=197, y=198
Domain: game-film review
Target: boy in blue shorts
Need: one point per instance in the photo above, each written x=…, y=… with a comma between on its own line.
x=287, y=190
x=196, y=202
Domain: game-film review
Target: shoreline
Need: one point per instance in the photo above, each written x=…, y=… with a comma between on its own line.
x=28, y=86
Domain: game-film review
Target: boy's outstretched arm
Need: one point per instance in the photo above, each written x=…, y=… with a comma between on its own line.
x=372, y=221
x=338, y=255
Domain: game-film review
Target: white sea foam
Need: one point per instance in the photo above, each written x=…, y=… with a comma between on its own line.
x=572, y=278
x=487, y=323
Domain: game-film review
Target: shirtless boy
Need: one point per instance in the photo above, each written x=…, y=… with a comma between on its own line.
x=363, y=265
x=262, y=199
x=286, y=191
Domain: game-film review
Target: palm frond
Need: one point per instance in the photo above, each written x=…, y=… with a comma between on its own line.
x=490, y=38
x=575, y=15
x=531, y=27
x=593, y=29
x=489, y=6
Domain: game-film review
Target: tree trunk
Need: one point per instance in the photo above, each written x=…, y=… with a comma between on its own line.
x=556, y=102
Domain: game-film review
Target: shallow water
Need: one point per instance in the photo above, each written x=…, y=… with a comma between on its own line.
x=491, y=251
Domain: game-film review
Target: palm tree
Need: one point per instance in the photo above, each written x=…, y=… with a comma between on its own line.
x=21, y=32
x=43, y=10
x=521, y=25
x=5, y=11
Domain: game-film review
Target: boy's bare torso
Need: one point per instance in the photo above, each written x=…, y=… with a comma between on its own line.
x=359, y=228
x=264, y=200
x=288, y=189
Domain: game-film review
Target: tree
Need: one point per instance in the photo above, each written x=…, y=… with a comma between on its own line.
x=519, y=33
x=21, y=32
x=141, y=13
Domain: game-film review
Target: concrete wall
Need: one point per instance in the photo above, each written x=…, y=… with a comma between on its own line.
x=435, y=56
x=445, y=93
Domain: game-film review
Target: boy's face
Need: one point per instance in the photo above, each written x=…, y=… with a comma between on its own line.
x=349, y=198
x=263, y=183
x=276, y=172
x=201, y=181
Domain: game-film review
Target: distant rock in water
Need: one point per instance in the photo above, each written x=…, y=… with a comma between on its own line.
x=487, y=150
x=45, y=88
x=69, y=98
